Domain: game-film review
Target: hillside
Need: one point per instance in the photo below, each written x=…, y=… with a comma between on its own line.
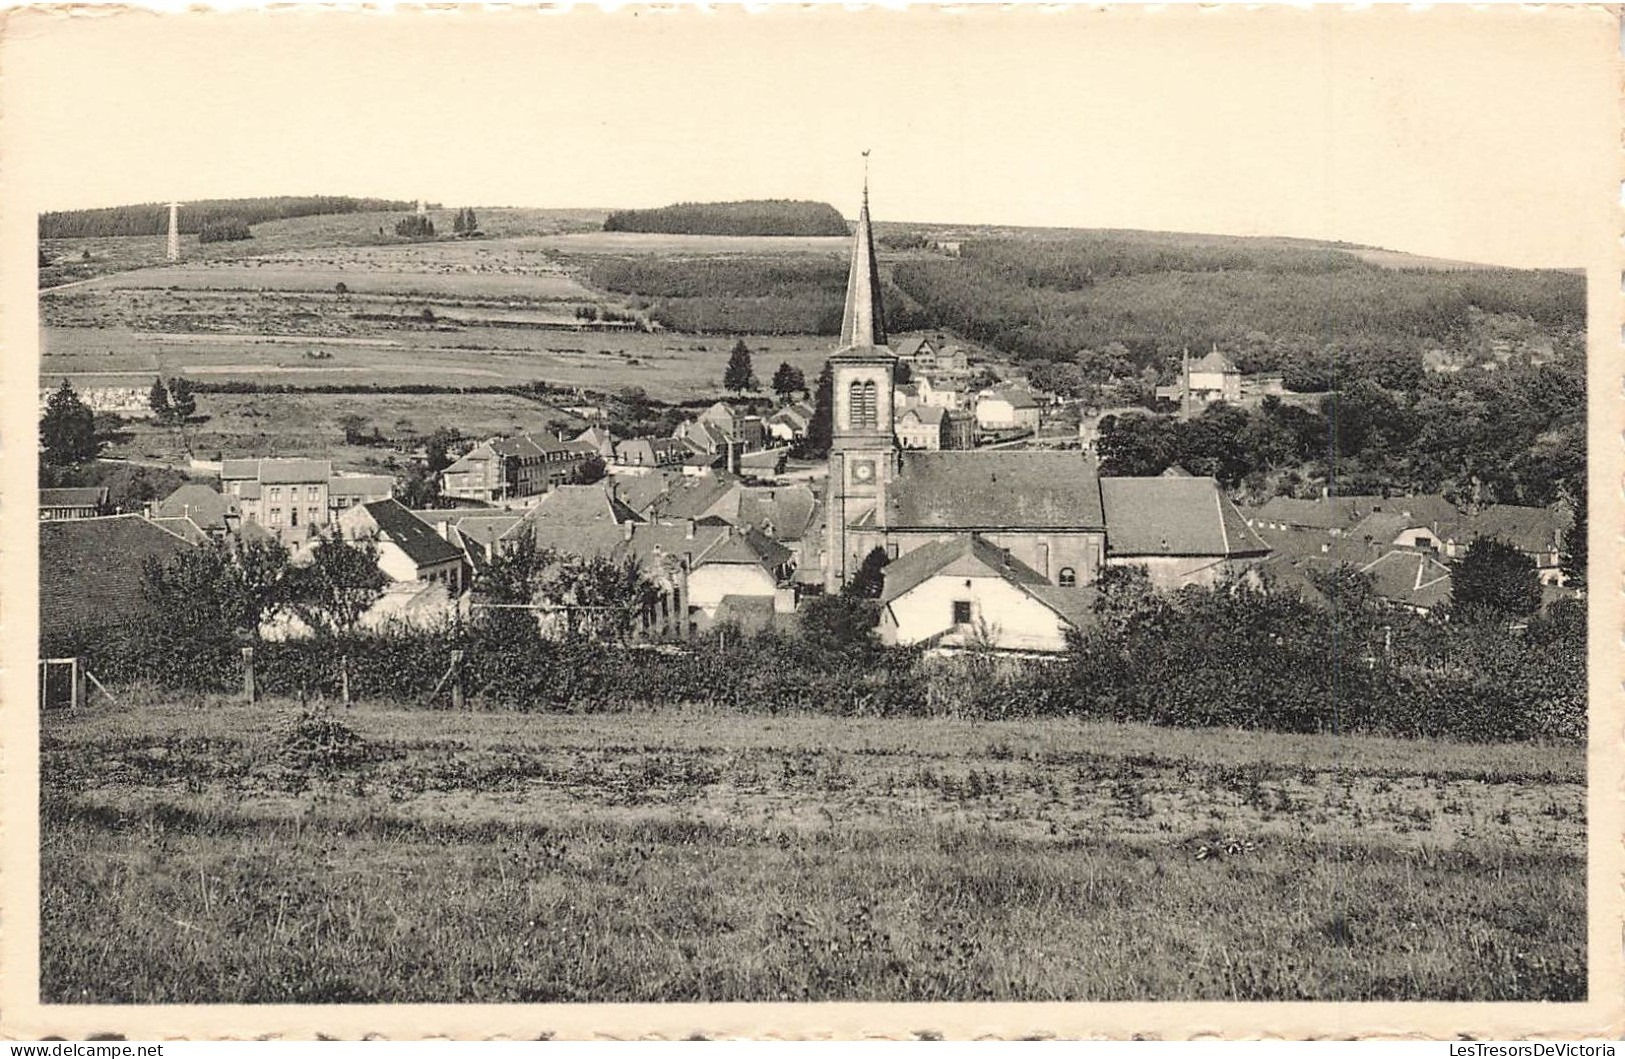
x=152, y=218
x=753, y=217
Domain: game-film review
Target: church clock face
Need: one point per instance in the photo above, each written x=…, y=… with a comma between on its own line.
x=863, y=470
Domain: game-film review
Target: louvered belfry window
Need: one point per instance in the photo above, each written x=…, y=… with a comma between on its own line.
x=862, y=400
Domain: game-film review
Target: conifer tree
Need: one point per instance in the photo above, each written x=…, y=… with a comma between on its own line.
x=739, y=375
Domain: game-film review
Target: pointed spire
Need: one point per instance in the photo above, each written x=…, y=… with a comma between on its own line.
x=863, y=322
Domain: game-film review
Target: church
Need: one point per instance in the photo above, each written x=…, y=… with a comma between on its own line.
x=1044, y=519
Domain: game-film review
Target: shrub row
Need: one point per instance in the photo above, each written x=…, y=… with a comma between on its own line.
x=1506, y=688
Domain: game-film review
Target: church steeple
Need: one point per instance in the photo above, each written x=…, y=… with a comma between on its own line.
x=863, y=323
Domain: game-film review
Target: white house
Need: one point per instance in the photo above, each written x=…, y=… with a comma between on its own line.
x=965, y=591
x=1007, y=410
x=409, y=549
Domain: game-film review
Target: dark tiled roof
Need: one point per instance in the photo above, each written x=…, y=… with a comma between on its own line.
x=1411, y=578
x=239, y=469
x=1530, y=529
x=90, y=571
x=411, y=534
x=750, y=548
x=577, y=505
x=200, y=504
x=1174, y=516
x=184, y=528
x=693, y=496
x=928, y=415
x=74, y=496
x=788, y=509
x=361, y=485
x=965, y=553
x=284, y=472
x=968, y=490
x=1215, y=362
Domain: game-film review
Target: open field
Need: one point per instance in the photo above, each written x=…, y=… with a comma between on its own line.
x=310, y=424
x=119, y=254
x=667, y=366
x=700, y=855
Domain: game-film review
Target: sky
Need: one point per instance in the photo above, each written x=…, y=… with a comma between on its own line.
x=1484, y=136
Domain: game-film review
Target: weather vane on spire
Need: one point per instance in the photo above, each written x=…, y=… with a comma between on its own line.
x=866, y=176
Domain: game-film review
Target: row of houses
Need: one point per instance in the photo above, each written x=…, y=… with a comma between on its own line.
x=1426, y=524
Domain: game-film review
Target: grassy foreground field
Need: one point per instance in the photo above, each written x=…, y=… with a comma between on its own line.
x=702, y=856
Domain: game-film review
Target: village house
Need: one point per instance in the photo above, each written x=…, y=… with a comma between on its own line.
x=651, y=452
x=917, y=352
x=510, y=468
x=215, y=513
x=1211, y=378
x=934, y=429
x=1537, y=532
x=90, y=576
x=409, y=549
x=345, y=491
x=295, y=499
x=727, y=426
x=72, y=502
x=964, y=591
x=998, y=410
x=790, y=422
x=941, y=393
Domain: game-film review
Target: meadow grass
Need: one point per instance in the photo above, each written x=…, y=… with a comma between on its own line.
x=195, y=854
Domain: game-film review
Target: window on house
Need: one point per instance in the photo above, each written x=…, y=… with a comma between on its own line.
x=293, y=516
x=310, y=492
x=276, y=492
x=1068, y=577
x=314, y=514
x=891, y=551
x=276, y=516
x=961, y=612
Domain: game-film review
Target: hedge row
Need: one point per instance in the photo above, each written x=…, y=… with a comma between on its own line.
x=1528, y=688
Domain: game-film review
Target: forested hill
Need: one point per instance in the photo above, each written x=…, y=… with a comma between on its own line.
x=755, y=217
x=152, y=218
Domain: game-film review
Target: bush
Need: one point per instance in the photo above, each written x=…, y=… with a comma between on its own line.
x=1224, y=656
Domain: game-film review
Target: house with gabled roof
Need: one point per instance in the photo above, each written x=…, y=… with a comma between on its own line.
x=213, y=512
x=409, y=549
x=964, y=591
x=1009, y=409
x=790, y=422
x=1182, y=531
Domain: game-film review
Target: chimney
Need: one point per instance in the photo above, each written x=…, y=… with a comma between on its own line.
x=626, y=530
x=688, y=529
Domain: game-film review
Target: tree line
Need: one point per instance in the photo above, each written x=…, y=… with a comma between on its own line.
x=751, y=217
x=152, y=218
x=1512, y=436
x=1046, y=300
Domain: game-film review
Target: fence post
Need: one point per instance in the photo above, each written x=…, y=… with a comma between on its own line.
x=457, y=679
x=77, y=697
x=248, y=675
x=344, y=679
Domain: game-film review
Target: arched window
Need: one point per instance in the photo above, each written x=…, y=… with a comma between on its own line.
x=1068, y=577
